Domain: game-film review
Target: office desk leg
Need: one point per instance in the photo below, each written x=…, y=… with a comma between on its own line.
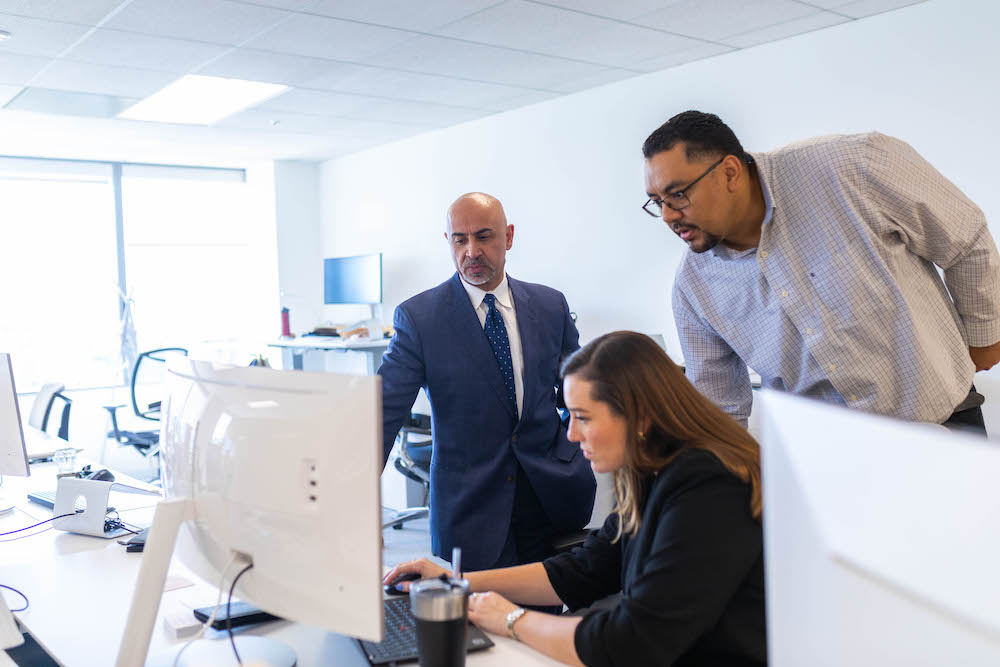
x=152, y=575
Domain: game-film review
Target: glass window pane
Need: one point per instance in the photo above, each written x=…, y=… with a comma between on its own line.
x=59, y=275
x=189, y=251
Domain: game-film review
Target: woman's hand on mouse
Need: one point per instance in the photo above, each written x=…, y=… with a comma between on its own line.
x=423, y=567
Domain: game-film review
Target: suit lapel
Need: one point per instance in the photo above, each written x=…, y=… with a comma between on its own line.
x=527, y=327
x=473, y=339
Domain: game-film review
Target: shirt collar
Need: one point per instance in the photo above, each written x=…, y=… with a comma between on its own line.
x=501, y=292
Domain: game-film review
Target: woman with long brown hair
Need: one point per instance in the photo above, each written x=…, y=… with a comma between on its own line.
x=683, y=545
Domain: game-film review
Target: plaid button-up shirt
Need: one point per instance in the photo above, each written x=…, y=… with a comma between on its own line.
x=842, y=299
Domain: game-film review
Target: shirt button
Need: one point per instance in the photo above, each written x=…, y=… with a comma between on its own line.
x=784, y=292
x=853, y=398
x=763, y=254
x=809, y=331
x=832, y=367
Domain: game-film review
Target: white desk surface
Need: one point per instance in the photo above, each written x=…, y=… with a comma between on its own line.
x=331, y=343
x=80, y=589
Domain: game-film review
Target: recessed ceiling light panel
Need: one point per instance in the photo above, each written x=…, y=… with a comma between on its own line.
x=201, y=100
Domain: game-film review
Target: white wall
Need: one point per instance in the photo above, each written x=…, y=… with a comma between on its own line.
x=569, y=170
x=300, y=261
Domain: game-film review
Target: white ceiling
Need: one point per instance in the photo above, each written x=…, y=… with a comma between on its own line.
x=362, y=72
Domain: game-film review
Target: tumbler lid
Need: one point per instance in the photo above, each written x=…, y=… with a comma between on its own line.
x=437, y=600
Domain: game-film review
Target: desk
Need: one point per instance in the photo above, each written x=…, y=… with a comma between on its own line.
x=80, y=590
x=293, y=350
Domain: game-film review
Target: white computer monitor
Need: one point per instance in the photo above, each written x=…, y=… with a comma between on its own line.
x=882, y=540
x=13, y=451
x=277, y=468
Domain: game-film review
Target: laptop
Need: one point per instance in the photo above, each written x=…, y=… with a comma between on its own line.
x=400, y=643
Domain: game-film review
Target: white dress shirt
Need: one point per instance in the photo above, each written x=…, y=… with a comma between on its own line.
x=505, y=304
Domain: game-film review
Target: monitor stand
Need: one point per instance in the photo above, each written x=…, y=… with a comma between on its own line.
x=5, y=505
x=253, y=651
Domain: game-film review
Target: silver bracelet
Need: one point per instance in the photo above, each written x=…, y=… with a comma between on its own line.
x=511, y=619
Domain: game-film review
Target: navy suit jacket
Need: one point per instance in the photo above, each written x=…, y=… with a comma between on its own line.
x=440, y=345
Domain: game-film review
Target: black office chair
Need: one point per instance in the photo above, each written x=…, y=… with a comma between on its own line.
x=149, y=366
x=41, y=409
x=414, y=462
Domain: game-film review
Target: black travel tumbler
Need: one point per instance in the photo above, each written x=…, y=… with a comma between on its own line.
x=441, y=609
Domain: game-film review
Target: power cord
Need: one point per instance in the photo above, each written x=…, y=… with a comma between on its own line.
x=211, y=619
x=11, y=588
x=229, y=615
x=61, y=516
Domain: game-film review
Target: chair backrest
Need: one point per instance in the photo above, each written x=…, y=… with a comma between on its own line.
x=42, y=406
x=147, y=380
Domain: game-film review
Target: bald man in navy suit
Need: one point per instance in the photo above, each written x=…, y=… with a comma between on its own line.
x=487, y=349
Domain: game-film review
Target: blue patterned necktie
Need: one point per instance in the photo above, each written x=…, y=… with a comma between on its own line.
x=496, y=332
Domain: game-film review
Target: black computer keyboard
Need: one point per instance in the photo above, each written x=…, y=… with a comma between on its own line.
x=400, y=643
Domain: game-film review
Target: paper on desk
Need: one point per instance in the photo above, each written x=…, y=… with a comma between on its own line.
x=173, y=582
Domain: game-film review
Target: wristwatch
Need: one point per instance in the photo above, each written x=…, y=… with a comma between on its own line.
x=511, y=620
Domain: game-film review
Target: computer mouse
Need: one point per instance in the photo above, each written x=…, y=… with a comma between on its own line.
x=103, y=475
x=390, y=588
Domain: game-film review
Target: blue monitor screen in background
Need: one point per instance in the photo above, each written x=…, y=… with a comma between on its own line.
x=353, y=279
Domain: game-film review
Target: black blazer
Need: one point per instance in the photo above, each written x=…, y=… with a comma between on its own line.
x=692, y=577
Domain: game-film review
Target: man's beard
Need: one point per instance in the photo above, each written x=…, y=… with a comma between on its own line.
x=490, y=274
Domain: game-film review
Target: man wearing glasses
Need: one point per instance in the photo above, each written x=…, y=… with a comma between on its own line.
x=817, y=265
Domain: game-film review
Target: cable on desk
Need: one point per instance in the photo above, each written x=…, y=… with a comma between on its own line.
x=11, y=588
x=207, y=624
x=29, y=535
x=229, y=613
x=61, y=516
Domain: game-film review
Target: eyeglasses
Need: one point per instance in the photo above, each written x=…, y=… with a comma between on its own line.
x=678, y=199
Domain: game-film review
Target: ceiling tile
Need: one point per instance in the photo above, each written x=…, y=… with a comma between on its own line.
x=542, y=29
x=87, y=12
x=37, y=37
x=787, y=29
x=574, y=84
x=293, y=5
x=322, y=37
x=102, y=79
x=319, y=102
x=406, y=14
x=70, y=103
x=620, y=9
x=680, y=57
x=527, y=99
x=267, y=66
x=479, y=62
x=420, y=113
x=113, y=47
x=365, y=80
x=871, y=7
x=283, y=121
x=216, y=21
x=17, y=69
x=714, y=19
x=7, y=93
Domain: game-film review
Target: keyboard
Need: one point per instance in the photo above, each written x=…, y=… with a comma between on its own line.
x=400, y=643
x=48, y=499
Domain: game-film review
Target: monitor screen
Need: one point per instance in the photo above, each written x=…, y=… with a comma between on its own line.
x=352, y=279
x=13, y=454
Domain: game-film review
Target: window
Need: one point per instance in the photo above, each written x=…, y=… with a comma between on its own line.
x=59, y=275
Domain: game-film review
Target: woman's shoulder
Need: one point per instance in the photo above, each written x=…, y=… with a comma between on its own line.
x=693, y=467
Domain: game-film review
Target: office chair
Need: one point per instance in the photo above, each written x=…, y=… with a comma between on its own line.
x=414, y=462
x=41, y=409
x=146, y=443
